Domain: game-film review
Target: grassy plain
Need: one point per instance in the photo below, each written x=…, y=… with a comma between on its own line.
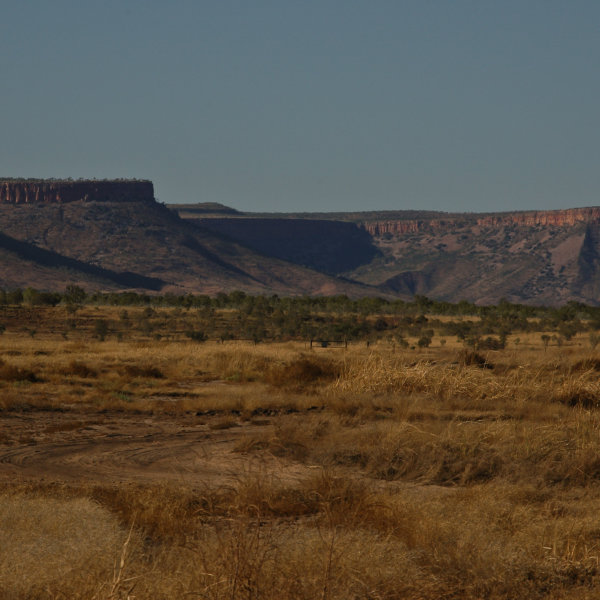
x=149, y=466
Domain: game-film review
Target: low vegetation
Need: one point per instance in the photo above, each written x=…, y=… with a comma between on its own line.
x=372, y=471
x=238, y=316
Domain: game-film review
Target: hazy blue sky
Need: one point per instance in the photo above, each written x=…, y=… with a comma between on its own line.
x=315, y=105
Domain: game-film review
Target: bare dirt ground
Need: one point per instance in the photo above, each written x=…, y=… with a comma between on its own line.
x=115, y=448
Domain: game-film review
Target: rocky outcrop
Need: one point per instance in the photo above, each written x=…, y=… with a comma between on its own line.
x=401, y=227
x=549, y=218
x=555, y=218
x=45, y=191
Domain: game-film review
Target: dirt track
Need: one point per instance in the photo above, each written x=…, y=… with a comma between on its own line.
x=123, y=448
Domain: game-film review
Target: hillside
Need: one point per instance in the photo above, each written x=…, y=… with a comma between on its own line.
x=119, y=236
x=545, y=257
x=113, y=235
x=23, y=265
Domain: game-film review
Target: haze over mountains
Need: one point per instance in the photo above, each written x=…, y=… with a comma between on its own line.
x=113, y=235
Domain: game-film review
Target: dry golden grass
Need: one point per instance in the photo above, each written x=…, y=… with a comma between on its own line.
x=327, y=536
x=53, y=544
x=421, y=475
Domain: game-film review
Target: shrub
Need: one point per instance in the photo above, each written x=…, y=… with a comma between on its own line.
x=79, y=369
x=143, y=371
x=12, y=373
x=424, y=341
x=101, y=329
x=468, y=358
x=490, y=343
x=588, y=364
x=196, y=336
x=302, y=371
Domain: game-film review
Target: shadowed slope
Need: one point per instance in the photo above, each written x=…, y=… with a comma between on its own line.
x=23, y=264
x=544, y=257
x=332, y=247
x=148, y=239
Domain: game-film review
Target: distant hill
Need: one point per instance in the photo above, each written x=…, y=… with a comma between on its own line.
x=114, y=235
x=203, y=209
x=544, y=257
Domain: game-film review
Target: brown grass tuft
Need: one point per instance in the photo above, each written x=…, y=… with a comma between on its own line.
x=14, y=373
x=469, y=358
x=79, y=369
x=143, y=371
x=303, y=372
x=587, y=364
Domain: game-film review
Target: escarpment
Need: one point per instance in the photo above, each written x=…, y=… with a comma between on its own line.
x=113, y=235
x=48, y=191
x=332, y=247
x=550, y=218
x=402, y=227
x=546, y=257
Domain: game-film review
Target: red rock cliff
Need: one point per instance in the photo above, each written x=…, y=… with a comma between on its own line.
x=409, y=226
x=47, y=191
x=555, y=218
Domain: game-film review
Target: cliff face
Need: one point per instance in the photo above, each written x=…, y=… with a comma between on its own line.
x=556, y=218
x=332, y=247
x=47, y=191
x=546, y=257
x=401, y=227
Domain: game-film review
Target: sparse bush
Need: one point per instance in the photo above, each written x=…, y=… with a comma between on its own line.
x=143, y=371
x=101, y=329
x=195, y=335
x=581, y=397
x=468, y=358
x=302, y=372
x=587, y=364
x=12, y=373
x=424, y=341
x=79, y=369
x=491, y=343
x=74, y=296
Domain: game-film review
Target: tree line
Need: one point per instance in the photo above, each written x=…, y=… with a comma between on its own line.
x=237, y=315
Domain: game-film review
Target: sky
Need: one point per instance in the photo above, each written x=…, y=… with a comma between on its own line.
x=309, y=105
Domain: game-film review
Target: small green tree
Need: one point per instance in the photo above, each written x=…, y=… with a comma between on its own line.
x=101, y=329
x=195, y=335
x=14, y=296
x=31, y=296
x=424, y=341
x=567, y=330
x=402, y=342
x=74, y=295
x=545, y=340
